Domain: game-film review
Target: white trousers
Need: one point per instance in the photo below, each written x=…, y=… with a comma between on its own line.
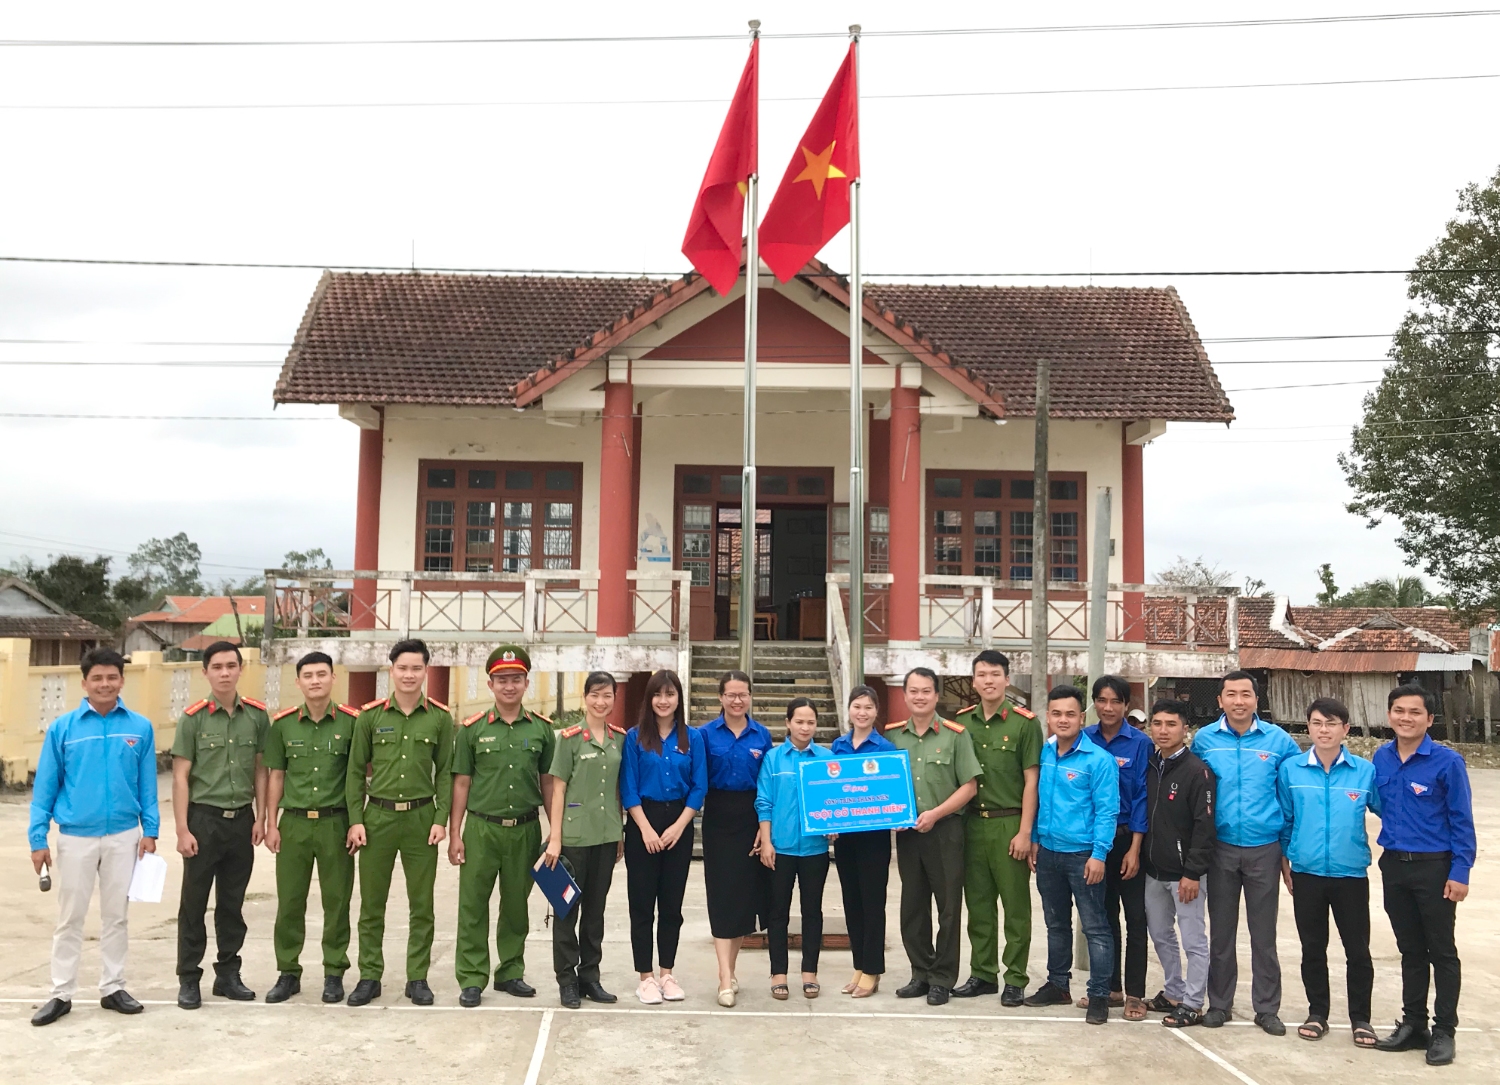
x=79, y=861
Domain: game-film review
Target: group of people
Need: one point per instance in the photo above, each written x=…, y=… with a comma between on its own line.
x=1170, y=828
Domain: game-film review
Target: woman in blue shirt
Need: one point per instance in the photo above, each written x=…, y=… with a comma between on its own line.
x=737, y=885
x=864, y=859
x=793, y=857
x=662, y=784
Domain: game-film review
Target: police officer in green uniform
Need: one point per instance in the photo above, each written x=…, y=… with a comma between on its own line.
x=498, y=765
x=407, y=740
x=219, y=799
x=307, y=753
x=586, y=830
x=997, y=832
x=930, y=856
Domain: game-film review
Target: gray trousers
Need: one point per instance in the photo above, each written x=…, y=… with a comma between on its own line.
x=1165, y=917
x=1255, y=872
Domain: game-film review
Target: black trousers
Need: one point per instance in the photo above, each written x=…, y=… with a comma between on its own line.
x=810, y=873
x=1132, y=894
x=578, y=937
x=931, y=865
x=223, y=863
x=1423, y=923
x=655, y=885
x=1313, y=897
x=864, y=864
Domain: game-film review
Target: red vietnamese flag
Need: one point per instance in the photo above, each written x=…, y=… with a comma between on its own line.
x=812, y=203
x=715, y=235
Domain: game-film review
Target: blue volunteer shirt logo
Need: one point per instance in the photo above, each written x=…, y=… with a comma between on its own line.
x=1419, y=789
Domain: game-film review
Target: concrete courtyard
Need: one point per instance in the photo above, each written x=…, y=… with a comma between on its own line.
x=830, y=1039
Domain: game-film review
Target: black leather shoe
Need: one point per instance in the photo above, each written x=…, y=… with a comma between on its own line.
x=1011, y=995
x=914, y=989
x=419, y=992
x=1098, y=1010
x=1048, y=994
x=469, y=997
x=54, y=1008
x=1270, y=1024
x=973, y=987
x=1407, y=1037
x=333, y=988
x=287, y=985
x=188, y=995
x=1440, y=1049
x=937, y=994
x=518, y=987
x=1216, y=1018
x=121, y=1002
x=596, y=993
x=232, y=987
x=365, y=991
x=568, y=995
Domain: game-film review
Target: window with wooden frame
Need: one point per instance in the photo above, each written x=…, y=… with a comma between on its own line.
x=487, y=516
x=979, y=523
x=877, y=539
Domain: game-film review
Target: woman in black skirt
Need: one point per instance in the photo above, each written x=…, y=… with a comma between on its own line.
x=864, y=859
x=738, y=885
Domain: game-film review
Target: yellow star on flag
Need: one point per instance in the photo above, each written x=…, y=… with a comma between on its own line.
x=819, y=168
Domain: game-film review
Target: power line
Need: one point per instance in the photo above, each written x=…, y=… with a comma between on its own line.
x=1218, y=24
x=110, y=550
x=525, y=103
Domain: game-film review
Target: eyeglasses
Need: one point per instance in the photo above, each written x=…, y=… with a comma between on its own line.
x=735, y=696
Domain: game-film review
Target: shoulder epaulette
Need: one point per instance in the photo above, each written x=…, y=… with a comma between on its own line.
x=284, y=712
x=378, y=701
x=971, y=708
x=569, y=732
x=253, y=703
x=349, y=710
x=474, y=718
x=1022, y=710
x=545, y=719
x=440, y=704
x=192, y=708
x=957, y=727
x=617, y=729
x=893, y=726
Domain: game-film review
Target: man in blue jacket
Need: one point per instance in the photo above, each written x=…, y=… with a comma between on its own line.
x=1078, y=802
x=1325, y=862
x=1245, y=753
x=96, y=778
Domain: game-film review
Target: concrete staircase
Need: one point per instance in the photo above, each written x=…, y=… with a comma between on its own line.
x=783, y=670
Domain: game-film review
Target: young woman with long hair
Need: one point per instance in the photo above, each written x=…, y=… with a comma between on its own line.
x=864, y=859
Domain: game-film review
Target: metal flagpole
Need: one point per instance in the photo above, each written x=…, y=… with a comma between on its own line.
x=856, y=426
x=749, y=543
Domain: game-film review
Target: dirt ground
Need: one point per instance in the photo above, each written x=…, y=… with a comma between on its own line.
x=509, y=1040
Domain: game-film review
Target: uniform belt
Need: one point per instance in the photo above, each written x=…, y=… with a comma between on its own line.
x=1001, y=812
x=1419, y=856
x=402, y=807
x=220, y=812
x=313, y=815
x=508, y=823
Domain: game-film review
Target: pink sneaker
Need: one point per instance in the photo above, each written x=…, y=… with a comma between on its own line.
x=670, y=989
x=648, y=992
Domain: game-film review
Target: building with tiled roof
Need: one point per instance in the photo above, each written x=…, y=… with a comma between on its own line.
x=57, y=636
x=181, y=618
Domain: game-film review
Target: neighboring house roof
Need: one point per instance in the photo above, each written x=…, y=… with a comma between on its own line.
x=502, y=340
x=26, y=612
x=201, y=610
x=1277, y=636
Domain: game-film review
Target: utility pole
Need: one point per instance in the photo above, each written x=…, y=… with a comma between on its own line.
x=1040, y=543
x=1099, y=596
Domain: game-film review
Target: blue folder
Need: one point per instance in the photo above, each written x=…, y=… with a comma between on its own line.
x=557, y=886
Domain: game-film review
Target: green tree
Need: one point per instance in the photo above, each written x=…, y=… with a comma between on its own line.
x=1427, y=451
x=77, y=584
x=307, y=559
x=1329, y=596
x=168, y=566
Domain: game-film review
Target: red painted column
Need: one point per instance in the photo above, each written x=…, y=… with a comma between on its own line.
x=366, y=548
x=878, y=462
x=1133, y=548
x=904, y=481
x=437, y=684
x=616, y=514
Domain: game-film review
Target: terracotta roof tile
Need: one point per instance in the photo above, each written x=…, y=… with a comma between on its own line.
x=195, y=610
x=1377, y=629
x=1255, y=625
x=52, y=627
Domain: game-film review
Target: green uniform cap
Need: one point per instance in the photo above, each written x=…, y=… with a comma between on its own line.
x=508, y=657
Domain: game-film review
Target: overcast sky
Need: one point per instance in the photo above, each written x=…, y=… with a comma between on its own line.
x=1314, y=177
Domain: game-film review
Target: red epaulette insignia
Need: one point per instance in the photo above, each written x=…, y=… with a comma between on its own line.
x=958, y=727
x=617, y=729
x=192, y=708
x=377, y=702
x=971, y=708
x=1022, y=710
x=474, y=718
x=545, y=719
x=284, y=712
x=893, y=726
x=569, y=732
x=440, y=704
x=349, y=709
x=253, y=703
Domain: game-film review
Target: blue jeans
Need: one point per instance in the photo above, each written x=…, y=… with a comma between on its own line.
x=1059, y=882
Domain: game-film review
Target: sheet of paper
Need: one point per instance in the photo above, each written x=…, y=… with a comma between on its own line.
x=148, y=879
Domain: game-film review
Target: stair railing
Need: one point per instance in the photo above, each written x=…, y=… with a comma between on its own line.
x=838, y=648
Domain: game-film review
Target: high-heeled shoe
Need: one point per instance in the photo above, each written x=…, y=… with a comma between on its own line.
x=849, y=987
x=861, y=991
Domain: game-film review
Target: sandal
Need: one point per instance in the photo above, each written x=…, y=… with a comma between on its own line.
x=865, y=992
x=1364, y=1035
x=811, y=990
x=780, y=992
x=1314, y=1028
x=1135, y=1008
x=1114, y=1000
x=1160, y=1003
x=849, y=987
